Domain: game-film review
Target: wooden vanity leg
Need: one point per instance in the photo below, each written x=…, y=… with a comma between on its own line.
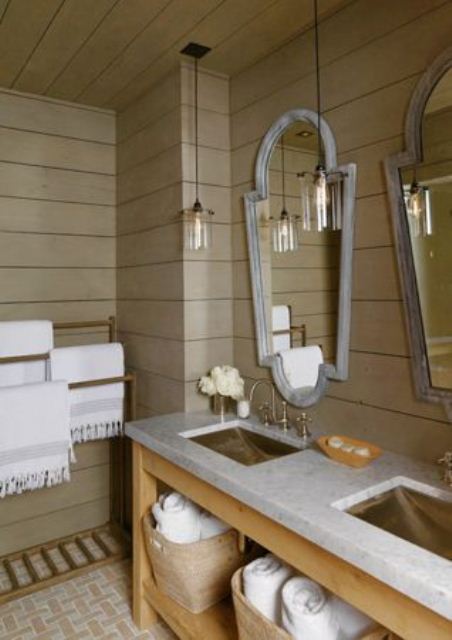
x=144, y=494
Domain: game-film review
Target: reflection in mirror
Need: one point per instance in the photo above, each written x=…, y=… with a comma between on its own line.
x=300, y=253
x=299, y=223
x=428, y=205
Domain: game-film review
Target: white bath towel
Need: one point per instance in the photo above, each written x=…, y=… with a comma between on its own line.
x=212, y=526
x=281, y=322
x=307, y=612
x=177, y=518
x=353, y=623
x=263, y=580
x=96, y=412
x=301, y=365
x=23, y=338
x=35, y=439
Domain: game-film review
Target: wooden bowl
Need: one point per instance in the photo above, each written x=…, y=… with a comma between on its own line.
x=349, y=458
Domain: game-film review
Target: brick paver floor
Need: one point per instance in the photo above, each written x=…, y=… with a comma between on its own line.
x=95, y=605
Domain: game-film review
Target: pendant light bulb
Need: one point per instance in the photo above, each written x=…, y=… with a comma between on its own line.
x=419, y=210
x=284, y=232
x=321, y=197
x=416, y=203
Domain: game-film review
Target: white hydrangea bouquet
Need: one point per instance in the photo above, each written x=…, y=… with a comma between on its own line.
x=221, y=383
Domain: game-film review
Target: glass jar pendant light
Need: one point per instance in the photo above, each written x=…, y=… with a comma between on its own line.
x=197, y=228
x=417, y=202
x=284, y=228
x=321, y=197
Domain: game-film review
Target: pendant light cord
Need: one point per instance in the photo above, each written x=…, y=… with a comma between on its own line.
x=317, y=69
x=283, y=169
x=196, y=132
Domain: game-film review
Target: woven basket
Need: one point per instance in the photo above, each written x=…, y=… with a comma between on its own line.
x=251, y=623
x=196, y=575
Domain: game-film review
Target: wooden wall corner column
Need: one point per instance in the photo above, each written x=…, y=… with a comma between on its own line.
x=144, y=494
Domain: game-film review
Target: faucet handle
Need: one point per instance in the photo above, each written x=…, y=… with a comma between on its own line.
x=267, y=416
x=284, y=421
x=446, y=459
x=302, y=425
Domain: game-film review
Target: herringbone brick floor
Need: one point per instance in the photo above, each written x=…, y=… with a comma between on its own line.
x=95, y=605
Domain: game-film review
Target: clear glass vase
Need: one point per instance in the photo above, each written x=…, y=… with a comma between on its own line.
x=220, y=405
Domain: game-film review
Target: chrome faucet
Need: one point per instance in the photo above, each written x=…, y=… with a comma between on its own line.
x=446, y=460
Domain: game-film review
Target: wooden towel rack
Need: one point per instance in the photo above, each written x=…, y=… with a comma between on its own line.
x=118, y=487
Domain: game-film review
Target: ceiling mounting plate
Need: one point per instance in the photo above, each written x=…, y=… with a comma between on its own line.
x=195, y=50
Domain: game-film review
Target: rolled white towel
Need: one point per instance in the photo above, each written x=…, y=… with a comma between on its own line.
x=212, y=526
x=307, y=612
x=263, y=580
x=352, y=622
x=177, y=518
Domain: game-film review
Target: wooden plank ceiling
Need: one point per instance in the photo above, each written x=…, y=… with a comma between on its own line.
x=108, y=52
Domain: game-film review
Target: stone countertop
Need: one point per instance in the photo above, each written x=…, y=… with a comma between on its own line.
x=305, y=491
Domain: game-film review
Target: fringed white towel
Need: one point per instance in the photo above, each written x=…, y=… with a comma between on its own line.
x=263, y=580
x=177, y=518
x=23, y=338
x=95, y=412
x=35, y=439
x=301, y=365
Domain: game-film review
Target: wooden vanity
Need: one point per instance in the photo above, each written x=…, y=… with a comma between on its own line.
x=393, y=610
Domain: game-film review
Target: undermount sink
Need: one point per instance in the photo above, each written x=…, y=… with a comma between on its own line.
x=238, y=443
x=406, y=510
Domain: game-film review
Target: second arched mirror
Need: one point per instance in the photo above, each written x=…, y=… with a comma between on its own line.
x=420, y=188
x=300, y=238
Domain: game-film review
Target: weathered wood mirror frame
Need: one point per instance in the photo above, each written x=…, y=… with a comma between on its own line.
x=412, y=155
x=338, y=371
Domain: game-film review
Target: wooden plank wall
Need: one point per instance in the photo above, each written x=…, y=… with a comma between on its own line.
x=57, y=261
x=372, y=54
x=149, y=248
x=174, y=308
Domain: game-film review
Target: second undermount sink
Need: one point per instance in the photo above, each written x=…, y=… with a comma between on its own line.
x=409, y=512
x=238, y=443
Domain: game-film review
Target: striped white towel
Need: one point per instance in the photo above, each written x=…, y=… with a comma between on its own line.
x=25, y=337
x=35, y=439
x=96, y=412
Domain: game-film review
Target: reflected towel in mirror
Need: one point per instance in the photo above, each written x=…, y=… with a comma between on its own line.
x=301, y=365
x=281, y=322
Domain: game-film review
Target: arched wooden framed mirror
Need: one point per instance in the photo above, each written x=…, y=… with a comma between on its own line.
x=300, y=248
x=420, y=189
